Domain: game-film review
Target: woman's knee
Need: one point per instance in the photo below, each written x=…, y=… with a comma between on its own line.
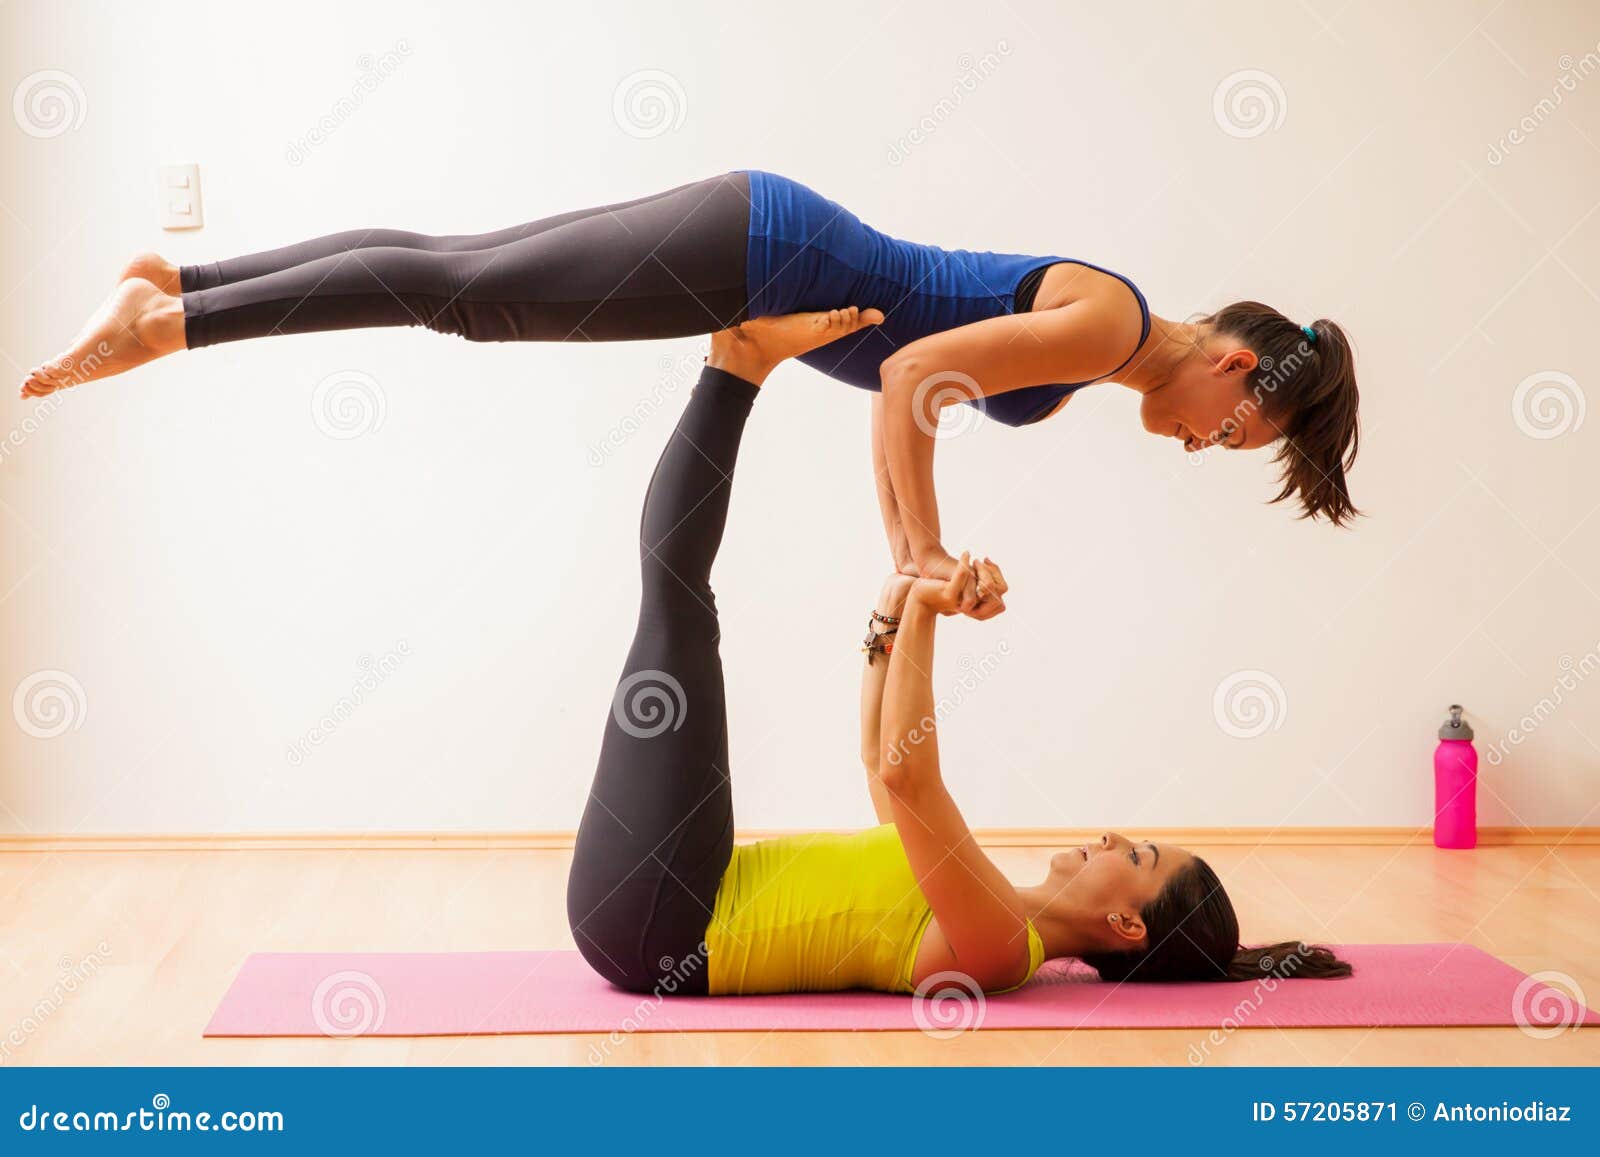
x=664, y=969
x=612, y=946
x=633, y=938
x=679, y=590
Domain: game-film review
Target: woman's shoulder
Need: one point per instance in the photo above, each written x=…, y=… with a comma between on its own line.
x=1109, y=310
x=1071, y=282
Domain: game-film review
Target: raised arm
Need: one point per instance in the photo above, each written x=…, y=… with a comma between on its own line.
x=1071, y=343
x=976, y=908
x=874, y=673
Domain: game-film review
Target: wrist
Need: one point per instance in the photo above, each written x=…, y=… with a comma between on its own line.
x=917, y=604
x=892, y=596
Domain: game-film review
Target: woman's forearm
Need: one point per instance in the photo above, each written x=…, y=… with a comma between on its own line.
x=888, y=505
x=908, y=448
x=907, y=740
x=874, y=673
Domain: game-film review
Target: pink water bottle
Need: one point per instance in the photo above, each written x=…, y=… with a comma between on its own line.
x=1455, y=785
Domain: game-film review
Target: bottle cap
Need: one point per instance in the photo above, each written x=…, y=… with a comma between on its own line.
x=1455, y=727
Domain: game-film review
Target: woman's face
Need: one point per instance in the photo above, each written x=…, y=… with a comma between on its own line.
x=1208, y=401
x=1115, y=876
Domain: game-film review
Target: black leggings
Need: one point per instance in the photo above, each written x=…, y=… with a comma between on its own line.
x=670, y=265
x=657, y=833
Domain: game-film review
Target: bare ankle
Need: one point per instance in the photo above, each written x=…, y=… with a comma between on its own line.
x=160, y=324
x=733, y=354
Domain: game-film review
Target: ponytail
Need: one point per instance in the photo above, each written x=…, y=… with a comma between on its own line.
x=1306, y=385
x=1288, y=960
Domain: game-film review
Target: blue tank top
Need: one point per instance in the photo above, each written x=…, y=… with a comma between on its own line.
x=806, y=252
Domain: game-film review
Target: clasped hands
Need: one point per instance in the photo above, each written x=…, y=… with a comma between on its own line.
x=969, y=586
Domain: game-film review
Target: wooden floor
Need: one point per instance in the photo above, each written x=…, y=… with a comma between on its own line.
x=165, y=932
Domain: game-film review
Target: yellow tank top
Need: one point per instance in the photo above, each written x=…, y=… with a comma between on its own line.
x=822, y=912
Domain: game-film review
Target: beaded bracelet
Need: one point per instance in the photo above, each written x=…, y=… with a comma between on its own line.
x=874, y=644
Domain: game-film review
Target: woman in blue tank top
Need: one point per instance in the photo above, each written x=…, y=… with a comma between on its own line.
x=1012, y=335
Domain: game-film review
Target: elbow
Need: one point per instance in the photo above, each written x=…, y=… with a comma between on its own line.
x=896, y=777
x=916, y=389
x=899, y=373
x=909, y=406
x=903, y=771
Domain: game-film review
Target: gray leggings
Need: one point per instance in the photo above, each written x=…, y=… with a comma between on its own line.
x=657, y=833
x=664, y=266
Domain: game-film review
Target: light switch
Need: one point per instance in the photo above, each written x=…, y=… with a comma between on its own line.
x=180, y=197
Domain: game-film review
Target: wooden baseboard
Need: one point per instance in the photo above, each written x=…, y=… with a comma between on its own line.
x=558, y=841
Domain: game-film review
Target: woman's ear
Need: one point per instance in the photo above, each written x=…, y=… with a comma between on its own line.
x=1126, y=925
x=1238, y=361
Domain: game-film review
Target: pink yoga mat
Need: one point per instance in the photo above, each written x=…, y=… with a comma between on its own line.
x=472, y=993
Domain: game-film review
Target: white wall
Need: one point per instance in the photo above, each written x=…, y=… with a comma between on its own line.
x=210, y=568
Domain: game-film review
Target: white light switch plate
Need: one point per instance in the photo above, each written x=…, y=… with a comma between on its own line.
x=180, y=197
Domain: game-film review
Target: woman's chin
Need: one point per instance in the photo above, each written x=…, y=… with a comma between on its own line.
x=1066, y=863
x=1153, y=421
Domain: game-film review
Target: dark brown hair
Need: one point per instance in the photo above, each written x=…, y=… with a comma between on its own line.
x=1306, y=388
x=1193, y=934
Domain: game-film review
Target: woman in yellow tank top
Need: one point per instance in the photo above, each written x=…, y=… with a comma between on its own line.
x=660, y=900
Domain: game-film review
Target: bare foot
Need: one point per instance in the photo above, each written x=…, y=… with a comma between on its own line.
x=155, y=269
x=752, y=349
x=138, y=323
